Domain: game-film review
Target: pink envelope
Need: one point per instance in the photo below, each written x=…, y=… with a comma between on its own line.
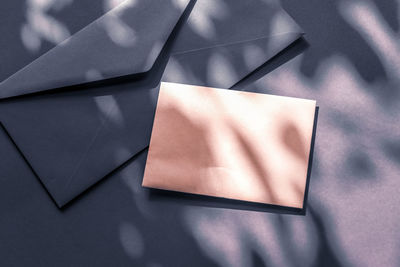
x=231, y=144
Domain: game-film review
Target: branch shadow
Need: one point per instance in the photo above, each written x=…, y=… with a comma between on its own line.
x=111, y=87
x=74, y=16
x=23, y=199
x=287, y=54
x=159, y=195
x=340, y=39
x=149, y=79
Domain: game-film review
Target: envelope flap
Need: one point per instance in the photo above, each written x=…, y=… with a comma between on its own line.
x=75, y=139
x=124, y=41
x=225, y=41
x=217, y=23
x=30, y=28
x=225, y=66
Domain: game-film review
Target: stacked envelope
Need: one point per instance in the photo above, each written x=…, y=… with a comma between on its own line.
x=148, y=72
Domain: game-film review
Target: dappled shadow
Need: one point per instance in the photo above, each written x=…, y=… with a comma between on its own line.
x=293, y=50
x=105, y=127
x=257, y=260
x=207, y=143
x=240, y=45
x=105, y=229
x=329, y=252
x=351, y=69
x=37, y=26
x=110, y=55
x=392, y=149
x=181, y=152
x=132, y=236
x=340, y=231
x=360, y=165
x=291, y=137
x=390, y=12
x=267, y=239
x=354, y=224
x=317, y=15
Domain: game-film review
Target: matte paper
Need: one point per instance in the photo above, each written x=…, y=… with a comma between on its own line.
x=230, y=144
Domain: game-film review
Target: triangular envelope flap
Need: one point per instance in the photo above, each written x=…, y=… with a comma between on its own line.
x=222, y=22
x=224, y=66
x=224, y=41
x=31, y=28
x=126, y=40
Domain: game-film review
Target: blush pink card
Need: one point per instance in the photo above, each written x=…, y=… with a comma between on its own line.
x=231, y=144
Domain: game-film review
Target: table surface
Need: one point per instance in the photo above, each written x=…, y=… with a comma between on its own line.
x=350, y=65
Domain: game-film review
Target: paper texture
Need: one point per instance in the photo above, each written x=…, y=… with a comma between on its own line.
x=231, y=144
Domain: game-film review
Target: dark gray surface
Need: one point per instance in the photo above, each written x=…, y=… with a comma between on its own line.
x=75, y=136
x=352, y=214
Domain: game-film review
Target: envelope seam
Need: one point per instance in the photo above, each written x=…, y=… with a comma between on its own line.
x=71, y=178
x=233, y=43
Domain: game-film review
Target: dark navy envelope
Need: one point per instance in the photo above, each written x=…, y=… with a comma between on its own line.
x=85, y=107
x=124, y=41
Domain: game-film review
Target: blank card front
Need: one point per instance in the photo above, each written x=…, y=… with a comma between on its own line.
x=230, y=144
